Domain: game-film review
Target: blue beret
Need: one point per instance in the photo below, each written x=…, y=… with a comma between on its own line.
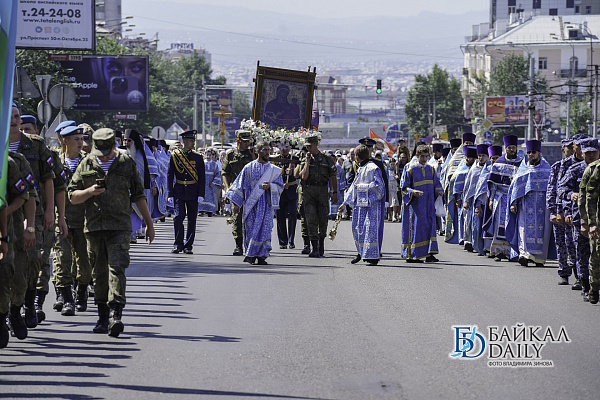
x=71, y=130
x=28, y=119
x=63, y=125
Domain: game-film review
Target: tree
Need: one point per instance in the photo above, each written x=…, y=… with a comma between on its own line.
x=241, y=105
x=436, y=89
x=581, y=115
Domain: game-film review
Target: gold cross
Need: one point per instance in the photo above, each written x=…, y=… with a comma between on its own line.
x=222, y=114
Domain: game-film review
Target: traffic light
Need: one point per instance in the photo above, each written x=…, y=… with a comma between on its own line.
x=378, y=86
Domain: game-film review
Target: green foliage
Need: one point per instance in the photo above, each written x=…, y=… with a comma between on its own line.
x=171, y=87
x=241, y=105
x=437, y=88
x=581, y=114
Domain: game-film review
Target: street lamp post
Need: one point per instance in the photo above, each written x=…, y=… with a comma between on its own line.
x=570, y=84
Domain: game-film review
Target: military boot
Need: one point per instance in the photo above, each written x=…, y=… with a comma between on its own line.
x=16, y=323
x=115, y=326
x=593, y=296
x=239, y=246
x=60, y=300
x=315, y=253
x=586, y=289
x=29, y=313
x=321, y=247
x=68, y=309
x=39, y=306
x=306, y=249
x=4, y=335
x=102, y=323
x=82, y=298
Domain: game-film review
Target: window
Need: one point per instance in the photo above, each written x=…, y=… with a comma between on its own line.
x=570, y=3
x=512, y=3
x=537, y=4
x=512, y=10
x=574, y=63
x=577, y=9
x=553, y=11
x=573, y=34
x=588, y=9
x=543, y=63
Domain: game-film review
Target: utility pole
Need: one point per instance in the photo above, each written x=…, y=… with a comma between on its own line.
x=195, y=123
x=595, y=128
x=572, y=62
x=531, y=108
x=203, y=112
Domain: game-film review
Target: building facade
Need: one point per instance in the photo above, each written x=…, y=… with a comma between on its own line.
x=509, y=10
x=108, y=16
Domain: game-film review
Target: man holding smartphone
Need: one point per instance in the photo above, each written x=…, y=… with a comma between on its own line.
x=108, y=222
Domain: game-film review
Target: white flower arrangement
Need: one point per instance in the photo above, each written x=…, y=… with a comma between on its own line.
x=279, y=137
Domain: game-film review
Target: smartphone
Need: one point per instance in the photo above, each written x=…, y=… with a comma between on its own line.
x=100, y=182
x=121, y=87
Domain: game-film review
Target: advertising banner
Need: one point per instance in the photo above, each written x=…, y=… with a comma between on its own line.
x=8, y=22
x=513, y=110
x=56, y=24
x=109, y=83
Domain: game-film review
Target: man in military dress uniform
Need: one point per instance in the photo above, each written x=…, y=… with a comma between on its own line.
x=232, y=166
x=318, y=173
x=185, y=185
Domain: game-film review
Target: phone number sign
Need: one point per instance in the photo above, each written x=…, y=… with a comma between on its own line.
x=56, y=24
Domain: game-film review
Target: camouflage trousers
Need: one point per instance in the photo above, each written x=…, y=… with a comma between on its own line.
x=70, y=260
x=565, y=268
x=582, y=248
x=316, y=209
x=303, y=226
x=47, y=244
x=34, y=254
x=595, y=264
x=237, y=228
x=108, y=252
x=7, y=270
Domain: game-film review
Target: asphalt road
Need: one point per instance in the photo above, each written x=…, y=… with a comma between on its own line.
x=210, y=326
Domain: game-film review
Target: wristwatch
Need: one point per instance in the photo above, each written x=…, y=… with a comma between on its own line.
x=30, y=229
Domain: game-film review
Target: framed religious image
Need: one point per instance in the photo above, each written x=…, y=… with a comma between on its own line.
x=283, y=98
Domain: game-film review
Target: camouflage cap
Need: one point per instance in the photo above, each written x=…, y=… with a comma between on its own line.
x=87, y=129
x=243, y=134
x=104, y=142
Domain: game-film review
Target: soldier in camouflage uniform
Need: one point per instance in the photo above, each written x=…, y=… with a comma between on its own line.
x=592, y=191
x=24, y=241
x=68, y=274
x=232, y=166
x=303, y=227
x=107, y=182
x=42, y=164
x=16, y=196
x=318, y=174
x=594, y=263
x=60, y=186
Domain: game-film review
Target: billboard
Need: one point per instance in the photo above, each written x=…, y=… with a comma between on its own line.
x=513, y=110
x=56, y=24
x=109, y=83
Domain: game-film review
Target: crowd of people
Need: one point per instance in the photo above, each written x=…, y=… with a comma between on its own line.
x=81, y=205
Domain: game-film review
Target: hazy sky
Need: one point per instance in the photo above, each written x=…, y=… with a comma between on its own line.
x=339, y=8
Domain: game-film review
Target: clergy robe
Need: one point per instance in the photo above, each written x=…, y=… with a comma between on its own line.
x=137, y=222
x=365, y=196
x=469, y=197
x=419, y=237
x=529, y=231
x=341, y=186
x=481, y=240
x=459, y=180
x=499, y=181
x=212, y=175
x=258, y=205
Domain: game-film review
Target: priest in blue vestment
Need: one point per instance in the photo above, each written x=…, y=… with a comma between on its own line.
x=420, y=187
x=528, y=228
x=258, y=189
x=481, y=240
x=460, y=181
x=212, y=183
x=366, y=195
x=469, y=194
x=499, y=181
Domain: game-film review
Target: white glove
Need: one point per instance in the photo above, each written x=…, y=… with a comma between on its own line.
x=200, y=199
x=170, y=200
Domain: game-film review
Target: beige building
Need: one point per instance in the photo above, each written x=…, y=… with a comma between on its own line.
x=331, y=97
x=561, y=46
